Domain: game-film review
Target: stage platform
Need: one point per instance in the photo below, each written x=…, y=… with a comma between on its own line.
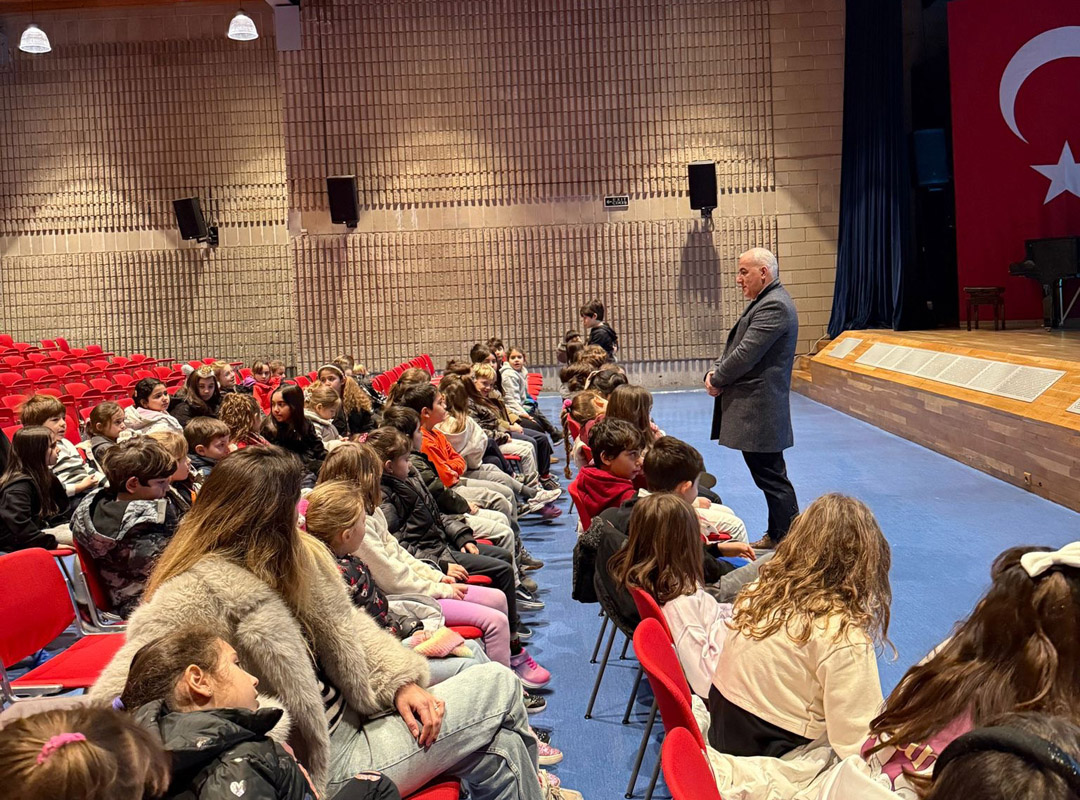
x=1005, y=402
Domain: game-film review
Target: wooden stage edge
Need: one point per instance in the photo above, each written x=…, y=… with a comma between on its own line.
x=1032, y=444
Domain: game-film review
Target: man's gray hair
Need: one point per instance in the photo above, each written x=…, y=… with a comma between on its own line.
x=764, y=258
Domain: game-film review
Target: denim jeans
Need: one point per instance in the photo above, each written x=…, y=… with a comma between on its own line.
x=445, y=668
x=485, y=741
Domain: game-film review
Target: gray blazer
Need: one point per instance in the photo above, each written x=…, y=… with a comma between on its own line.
x=753, y=413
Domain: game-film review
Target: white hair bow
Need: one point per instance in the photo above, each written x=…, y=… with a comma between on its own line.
x=1037, y=563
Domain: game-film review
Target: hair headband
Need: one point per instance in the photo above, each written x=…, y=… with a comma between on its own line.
x=334, y=367
x=56, y=742
x=1036, y=563
x=1005, y=739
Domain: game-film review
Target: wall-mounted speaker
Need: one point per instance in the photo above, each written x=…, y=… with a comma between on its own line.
x=344, y=205
x=192, y=223
x=702, y=176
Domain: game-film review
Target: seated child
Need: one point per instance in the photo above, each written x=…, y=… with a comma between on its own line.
x=356, y=414
x=242, y=416
x=288, y=428
x=277, y=372
x=321, y=408
x=261, y=385
x=663, y=558
x=33, y=503
x=582, y=409
x=599, y=332
x=413, y=517
x=569, y=338
x=74, y=473
x=815, y=617
x=1016, y=652
x=616, y=446
x=485, y=523
x=208, y=443
x=106, y=427
x=227, y=379
x=672, y=465
x=184, y=483
x=515, y=382
x=190, y=690
x=85, y=752
x=151, y=409
x=200, y=396
x=335, y=516
x=125, y=527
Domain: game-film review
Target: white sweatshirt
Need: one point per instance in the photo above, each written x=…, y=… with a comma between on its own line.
x=697, y=625
x=394, y=569
x=824, y=686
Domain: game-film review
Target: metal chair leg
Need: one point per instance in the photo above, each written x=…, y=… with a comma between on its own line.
x=633, y=695
x=652, y=781
x=641, y=751
x=599, y=638
x=625, y=645
x=600, y=673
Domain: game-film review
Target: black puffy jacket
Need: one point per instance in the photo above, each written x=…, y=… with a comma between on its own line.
x=226, y=753
x=414, y=518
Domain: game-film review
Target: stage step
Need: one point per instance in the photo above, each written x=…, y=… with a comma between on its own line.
x=801, y=380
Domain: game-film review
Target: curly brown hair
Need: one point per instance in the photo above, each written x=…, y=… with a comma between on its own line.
x=834, y=561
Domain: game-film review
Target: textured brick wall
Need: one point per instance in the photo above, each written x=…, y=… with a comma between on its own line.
x=484, y=136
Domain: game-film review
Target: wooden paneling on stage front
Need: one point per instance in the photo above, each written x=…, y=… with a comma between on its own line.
x=1034, y=445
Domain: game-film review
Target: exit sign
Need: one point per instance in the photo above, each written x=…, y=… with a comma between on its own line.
x=613, y=202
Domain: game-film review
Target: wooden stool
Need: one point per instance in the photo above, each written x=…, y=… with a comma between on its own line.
x=985, y=296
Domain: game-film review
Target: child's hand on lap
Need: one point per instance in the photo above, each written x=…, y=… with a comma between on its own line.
x=460, y=590
x=474, y=509
x=457, y=572
x=471, y=548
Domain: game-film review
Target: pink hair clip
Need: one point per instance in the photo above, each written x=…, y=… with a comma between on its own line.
x=56, y=742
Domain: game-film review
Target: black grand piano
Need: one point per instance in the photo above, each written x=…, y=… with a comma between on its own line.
x=1051, y=262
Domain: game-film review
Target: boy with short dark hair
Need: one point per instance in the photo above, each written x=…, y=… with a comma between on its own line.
x=208, y=443
x=77, y=476
x=599, y=332
x=672, y=465
x=608, y=482
x=125, y=527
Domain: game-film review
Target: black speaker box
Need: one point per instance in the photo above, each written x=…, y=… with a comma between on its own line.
x=190, y=219
x=702, y=185
x=344, y=205
x=931, y=157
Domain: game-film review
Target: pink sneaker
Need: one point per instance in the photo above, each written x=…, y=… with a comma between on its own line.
x=550, y=511
x=548, y=755
x=531, y=674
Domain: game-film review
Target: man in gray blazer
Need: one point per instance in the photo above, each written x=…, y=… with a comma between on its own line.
x=751, y=383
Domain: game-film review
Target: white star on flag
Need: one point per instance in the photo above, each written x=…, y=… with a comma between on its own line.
x=1064, y=175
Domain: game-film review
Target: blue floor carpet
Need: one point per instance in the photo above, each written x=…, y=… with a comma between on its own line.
x=946, y=522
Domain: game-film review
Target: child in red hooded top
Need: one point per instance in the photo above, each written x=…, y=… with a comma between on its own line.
x=608, y=482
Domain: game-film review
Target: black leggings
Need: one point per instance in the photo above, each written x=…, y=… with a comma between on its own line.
x=495, y=563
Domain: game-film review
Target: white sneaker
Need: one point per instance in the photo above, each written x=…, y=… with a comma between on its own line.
x=554, y=790
x=545, y=496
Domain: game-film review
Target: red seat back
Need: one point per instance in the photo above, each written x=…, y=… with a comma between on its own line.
x=98, y=593
x=13, y=401
x=6, y=340
x=648, y=608
x=62, y=343
x=686, y=768
x=534, y=382
x=34, y=604
x=37, y=375
x=657, y=656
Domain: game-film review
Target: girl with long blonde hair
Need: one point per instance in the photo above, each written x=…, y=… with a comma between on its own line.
x=800, y=660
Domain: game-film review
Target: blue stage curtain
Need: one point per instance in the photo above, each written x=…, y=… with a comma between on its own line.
x=875, y=216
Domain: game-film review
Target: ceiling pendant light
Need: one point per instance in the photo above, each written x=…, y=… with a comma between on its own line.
x=34, y=40
x=242, y=28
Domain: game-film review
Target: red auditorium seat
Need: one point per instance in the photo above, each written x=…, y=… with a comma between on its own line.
x=12, y=401
x=444, y=790
x=36, y=606
x=62, y=343
x=686, y=768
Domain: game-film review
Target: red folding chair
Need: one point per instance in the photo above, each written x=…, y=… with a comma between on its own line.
x=10, y=430
x=81, y=369
x=6, y=340
x=58, y=356
x=93, y=593
x=657, y=655
x=60, y=370
x=23, y=347
x=686, y=768
x=62, y=343
x=139, y=374
x=303, y=381
x=16, y=362
x=39, y=375
x=123, y=379
x=95, y=350
x=48, y=344
x=534, y=383
x=78, y=352
x=120, y=361
x=12, y=401
x=76, y=390
x=13, y=380
x=103, y=385
x=7, y=416
x=209, y=360
x=37, y=606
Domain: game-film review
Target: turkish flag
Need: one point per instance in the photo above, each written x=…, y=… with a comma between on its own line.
x=1015, y=78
